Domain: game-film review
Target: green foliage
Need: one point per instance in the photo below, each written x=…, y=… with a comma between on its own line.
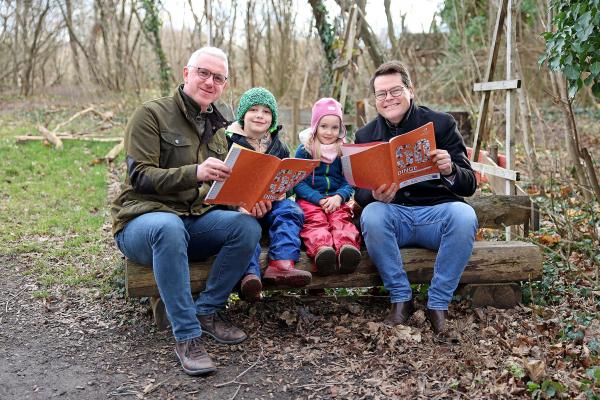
x=466, y=21
x=574, y=48
x=548, y=389
x=515, y=370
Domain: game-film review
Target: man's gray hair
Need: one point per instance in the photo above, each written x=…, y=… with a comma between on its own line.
x=213, y=51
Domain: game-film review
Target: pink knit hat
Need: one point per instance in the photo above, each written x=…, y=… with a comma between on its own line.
x=323, y=107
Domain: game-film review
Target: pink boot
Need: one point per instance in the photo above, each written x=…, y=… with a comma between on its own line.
x=283, y=273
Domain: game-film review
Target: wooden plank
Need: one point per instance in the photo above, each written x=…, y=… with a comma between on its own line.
x=489, y=74
x=491, y=262
x=497, y=85
x=495, y=171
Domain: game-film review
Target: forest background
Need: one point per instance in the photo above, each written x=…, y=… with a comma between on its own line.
x=80, y=68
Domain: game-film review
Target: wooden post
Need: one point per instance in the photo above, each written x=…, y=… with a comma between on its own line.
x=509, y=150
x=491, y=66
x=361, y=114
x=347, y=55
x=295, y=122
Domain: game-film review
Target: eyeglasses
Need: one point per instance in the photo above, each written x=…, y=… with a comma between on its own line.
x=204, y=74
x=394, y=92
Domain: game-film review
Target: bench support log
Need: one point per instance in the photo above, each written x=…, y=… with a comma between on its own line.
x=503, y=295
x=490, y=275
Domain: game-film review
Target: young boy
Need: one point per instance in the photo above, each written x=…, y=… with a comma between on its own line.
x=256, y=129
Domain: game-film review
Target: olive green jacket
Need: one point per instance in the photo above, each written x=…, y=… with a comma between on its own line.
x=165, y=140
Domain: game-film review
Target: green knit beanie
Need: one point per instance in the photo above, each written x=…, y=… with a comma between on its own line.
x=256, y=96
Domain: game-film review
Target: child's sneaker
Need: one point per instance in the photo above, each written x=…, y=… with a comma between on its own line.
x=349, y=259
x=325, y=260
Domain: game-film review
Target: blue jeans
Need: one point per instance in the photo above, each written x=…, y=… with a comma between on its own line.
x=167, y=241
x=448, y=228
x=284, y=222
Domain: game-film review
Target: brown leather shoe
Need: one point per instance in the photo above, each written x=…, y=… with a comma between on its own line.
x=221, y=329
x=282, y=272
x=250, y=288
x=400, y=313
x=349, y=259
x=193, y=357
x=325, y=260
x=437, y=319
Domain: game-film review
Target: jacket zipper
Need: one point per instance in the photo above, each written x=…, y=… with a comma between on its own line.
x=327, y=180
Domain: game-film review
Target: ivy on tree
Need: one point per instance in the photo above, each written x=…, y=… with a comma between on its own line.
x=574, y=48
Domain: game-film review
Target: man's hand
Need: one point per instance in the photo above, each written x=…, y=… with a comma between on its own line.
x=442, y=159
x=212, y=169
x=259, y=210
x=385, y=194
x=331, y=204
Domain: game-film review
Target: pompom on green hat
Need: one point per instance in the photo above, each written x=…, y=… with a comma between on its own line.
x=256, y=96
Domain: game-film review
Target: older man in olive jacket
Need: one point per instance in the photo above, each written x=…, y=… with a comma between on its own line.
x=175, y=146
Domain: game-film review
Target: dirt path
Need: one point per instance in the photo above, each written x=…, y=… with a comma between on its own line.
x=83, y=345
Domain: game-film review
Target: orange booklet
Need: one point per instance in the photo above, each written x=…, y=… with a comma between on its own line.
x=257, y=176
x=404, y=160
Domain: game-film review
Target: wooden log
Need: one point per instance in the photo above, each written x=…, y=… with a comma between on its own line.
x=499, y=211
x=115, y=151
x=25, y=138
x=491, y=262
x=51, y=137
x=504, y=295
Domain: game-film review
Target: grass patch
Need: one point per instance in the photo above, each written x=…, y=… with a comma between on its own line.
x=53, y=205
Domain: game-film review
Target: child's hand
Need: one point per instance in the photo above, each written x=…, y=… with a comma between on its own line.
x=331, y=204
x=259, y=210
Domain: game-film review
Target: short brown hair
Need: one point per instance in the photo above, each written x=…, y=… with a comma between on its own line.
x=391, y=68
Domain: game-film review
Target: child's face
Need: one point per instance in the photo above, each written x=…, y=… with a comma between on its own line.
x=328, y=129
x=257, y=120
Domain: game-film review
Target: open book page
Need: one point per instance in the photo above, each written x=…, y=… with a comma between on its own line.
x=404, y=160
x=367, y=167
x=257, y=176
x=288, y=174
x=410, y=152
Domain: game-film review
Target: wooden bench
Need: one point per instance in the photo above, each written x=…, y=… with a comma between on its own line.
x=490, y=278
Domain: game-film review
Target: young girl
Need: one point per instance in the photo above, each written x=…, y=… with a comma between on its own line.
x=256, y=129
x=329, y=235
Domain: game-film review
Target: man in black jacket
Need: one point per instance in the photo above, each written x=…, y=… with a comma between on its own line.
x=430, y=214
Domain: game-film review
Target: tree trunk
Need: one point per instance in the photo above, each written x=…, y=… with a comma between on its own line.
x=327, y=36
x=525, y=118
x=250, y=7
x=72, y=41
x=151, y=26
x=571, y=135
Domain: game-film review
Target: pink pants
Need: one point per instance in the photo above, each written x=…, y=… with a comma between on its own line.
x=320, y=229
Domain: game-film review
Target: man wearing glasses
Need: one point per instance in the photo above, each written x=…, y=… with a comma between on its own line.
x=430, y=214
x=174, y=151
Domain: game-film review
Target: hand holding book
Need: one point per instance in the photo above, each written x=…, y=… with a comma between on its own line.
x=404, y=160
x=257, y=177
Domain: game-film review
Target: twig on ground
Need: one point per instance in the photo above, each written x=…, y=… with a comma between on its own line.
x=236, y=392
x=150, y=389
x=234, y=381
x=13, y=296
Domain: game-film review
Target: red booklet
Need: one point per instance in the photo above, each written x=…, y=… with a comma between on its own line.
x=404, y=160
x=257, y=176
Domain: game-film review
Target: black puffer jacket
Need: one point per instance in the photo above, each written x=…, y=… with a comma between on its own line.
x=447, y=137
